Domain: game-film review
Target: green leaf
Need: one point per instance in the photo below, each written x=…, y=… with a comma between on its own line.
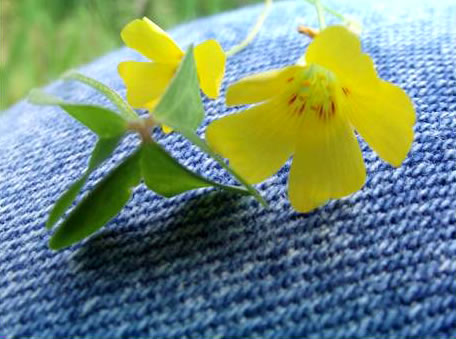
x=100, y=120
x=124, y=108
x=100, y=205
x=181, y=106
x=201, y=144
x=101, y=152
x=165, y=176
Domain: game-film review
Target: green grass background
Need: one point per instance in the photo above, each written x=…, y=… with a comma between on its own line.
x=40, y=39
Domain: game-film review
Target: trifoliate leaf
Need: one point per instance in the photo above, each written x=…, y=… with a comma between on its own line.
x=100, y=205
x=181, y=109
x=104, y=122
x=181, y=106
x=101, y=152
x=165, y=176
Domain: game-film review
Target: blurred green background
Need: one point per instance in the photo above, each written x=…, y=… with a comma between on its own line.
x=40, y=39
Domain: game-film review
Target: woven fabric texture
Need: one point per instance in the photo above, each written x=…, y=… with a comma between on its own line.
x=209, y=264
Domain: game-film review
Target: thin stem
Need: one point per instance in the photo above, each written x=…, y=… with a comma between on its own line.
x=320, y=14
x=196, y=140
x=334, y=13
x=329, y=10
x=253, y=33
x=142, y=127
x=234, y=189
x=240, y=179
x=124, y=108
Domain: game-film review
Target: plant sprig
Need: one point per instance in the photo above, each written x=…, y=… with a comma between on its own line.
x=180, y=108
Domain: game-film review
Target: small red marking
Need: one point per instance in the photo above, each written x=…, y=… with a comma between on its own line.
x=290, y=79
x=333, y=108
x=346, y=90
x=292, y=99
x=303, y=107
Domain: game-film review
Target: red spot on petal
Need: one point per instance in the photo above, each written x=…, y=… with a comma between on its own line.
x=292, y=99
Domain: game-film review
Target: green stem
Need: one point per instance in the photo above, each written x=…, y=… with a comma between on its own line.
x=253, y=33
x=232, y=189
x=124, y=108
x=249, y=187
x=334, y=13
x=321, y=16
x=328, y=10
x=196, y=140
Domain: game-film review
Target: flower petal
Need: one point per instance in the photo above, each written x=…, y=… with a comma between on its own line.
x=257, y=142
x=260, y=87
x=150, y=105
x=339, y=50
x=210, y=64
x=145, y=81
x=166, y=129
x=381, y=112
x=328, y=163
x=151, y=41
x=384, y=116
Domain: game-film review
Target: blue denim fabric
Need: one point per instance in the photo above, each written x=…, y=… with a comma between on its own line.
x=378, y=264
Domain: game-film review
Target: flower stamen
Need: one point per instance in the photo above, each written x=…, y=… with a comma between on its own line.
x=292, y=99
x=315, y=88
x=310, y=32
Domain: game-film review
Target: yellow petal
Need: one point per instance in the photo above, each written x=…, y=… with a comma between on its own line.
x=257, y=142
x=339, y=50
x=210, y=64
x=151, y=41
x=145, y=81
x=166, y=129
x=384, y=116
x=150, y=106
x=328, y=163
x=260, y=87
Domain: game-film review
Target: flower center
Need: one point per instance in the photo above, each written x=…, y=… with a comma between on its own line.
x=314, y=92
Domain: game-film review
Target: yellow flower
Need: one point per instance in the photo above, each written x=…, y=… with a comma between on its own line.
x=147, y=81
x=310, y=111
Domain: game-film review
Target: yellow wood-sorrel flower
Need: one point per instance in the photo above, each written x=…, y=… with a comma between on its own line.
x=147, y=81
x=310, y=111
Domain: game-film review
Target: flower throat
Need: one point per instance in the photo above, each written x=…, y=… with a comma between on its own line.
x=314, y=92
